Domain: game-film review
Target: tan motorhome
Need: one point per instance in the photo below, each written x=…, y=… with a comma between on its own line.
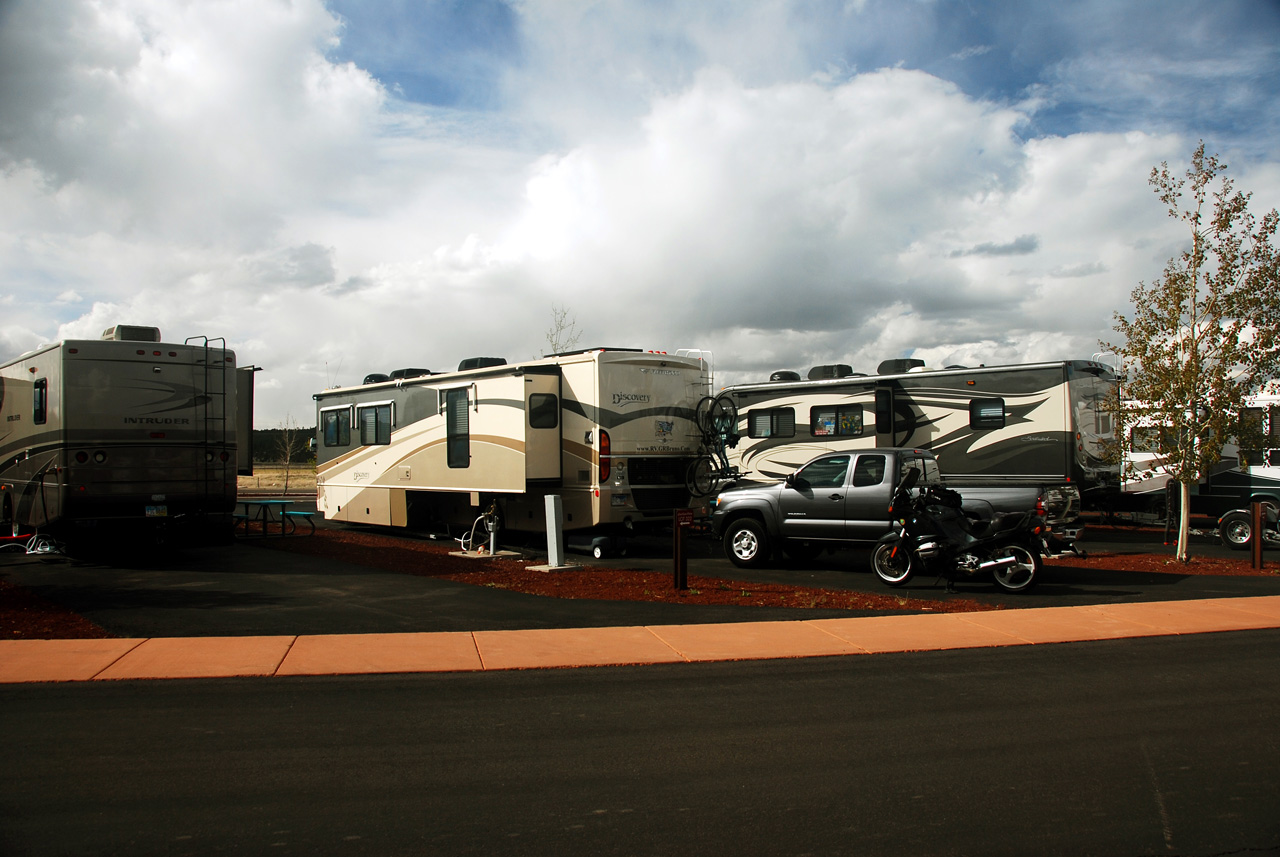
x=610, y=430
x=122, y=436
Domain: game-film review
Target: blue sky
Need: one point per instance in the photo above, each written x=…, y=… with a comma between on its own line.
x=346, y=187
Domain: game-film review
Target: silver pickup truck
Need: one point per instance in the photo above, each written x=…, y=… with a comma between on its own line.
x=844, y=498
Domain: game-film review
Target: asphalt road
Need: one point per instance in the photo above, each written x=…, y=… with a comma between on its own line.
x=1136, y=747
x=1141, y=747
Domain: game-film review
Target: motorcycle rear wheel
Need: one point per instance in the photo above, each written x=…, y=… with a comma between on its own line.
x=1021, y=576
x=893, y=563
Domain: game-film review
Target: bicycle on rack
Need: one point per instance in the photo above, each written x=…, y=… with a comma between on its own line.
x=717, y=419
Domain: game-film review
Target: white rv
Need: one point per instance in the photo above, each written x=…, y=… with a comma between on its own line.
x=990, y=425
x=612, y=431
x=1240, y=476
x=122, y=436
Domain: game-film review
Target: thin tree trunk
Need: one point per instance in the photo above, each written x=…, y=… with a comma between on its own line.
x=1184, y=523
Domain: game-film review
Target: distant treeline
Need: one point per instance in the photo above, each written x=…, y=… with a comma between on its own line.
x=269, y=444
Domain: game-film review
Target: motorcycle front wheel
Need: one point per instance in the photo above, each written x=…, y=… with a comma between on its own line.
x=1020, y=576
x=892, y=562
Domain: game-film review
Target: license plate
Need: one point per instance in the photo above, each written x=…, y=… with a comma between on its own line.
x=157, y=511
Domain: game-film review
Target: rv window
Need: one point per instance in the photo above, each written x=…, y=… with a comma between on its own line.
x=40, y=402
x=457, y=428
x=772, y=422
x=830, y=421
x=1252, y=428
x=544, y=411
x=336, y=427
x=986, y=414
x=884, y=411
x=1151, y=438
x=375, y=425
x=1102, y=423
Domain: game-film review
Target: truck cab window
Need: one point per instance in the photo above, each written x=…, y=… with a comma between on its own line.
x=868, y=471
x=825, y=472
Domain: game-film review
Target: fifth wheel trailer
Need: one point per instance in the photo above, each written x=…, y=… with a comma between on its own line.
x=612, y=431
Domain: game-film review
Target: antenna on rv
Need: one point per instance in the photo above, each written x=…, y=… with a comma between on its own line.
x=333, y=379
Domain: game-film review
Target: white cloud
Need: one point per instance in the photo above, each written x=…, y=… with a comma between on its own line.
x=205, y=168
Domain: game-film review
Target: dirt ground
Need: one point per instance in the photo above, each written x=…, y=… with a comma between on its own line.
x=25, y=615
x=276, y=479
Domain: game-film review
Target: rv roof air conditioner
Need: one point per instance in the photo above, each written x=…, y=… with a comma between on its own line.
x=900, y=366
x=830, y=370
x=376, y=378
x=131, y=333
x=400, y=374
x=785, y=375
x=480, y=363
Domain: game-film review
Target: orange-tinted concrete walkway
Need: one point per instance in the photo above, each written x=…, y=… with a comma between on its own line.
x=351, y=654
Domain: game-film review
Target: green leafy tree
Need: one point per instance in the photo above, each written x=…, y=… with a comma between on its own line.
x=1204, y=336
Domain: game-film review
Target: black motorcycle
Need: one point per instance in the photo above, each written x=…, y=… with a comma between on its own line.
x=934, y=532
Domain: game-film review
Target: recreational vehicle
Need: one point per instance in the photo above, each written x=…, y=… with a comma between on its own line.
x=611, y=431
x=1241, y=476
x=987, y=425
x=123, y=435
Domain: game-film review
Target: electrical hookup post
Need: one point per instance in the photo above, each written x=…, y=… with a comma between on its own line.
x=1255, y=509
x=681, y=522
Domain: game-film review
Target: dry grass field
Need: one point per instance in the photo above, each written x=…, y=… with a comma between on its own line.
x=270, y=478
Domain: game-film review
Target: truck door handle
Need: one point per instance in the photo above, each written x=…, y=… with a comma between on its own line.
x=837, y=497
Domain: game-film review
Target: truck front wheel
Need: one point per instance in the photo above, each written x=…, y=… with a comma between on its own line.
x=746, y=543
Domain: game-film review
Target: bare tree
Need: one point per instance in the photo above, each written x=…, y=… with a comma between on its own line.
x=564, y=333
x=1205, y=335
x=291, y=444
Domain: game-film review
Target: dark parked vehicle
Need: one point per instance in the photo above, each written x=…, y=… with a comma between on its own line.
x=838, y=498
x=934, y=533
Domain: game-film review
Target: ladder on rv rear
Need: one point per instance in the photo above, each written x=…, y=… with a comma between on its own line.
x=212, y=413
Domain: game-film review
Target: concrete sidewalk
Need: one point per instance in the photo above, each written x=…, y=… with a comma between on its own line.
x=353, y=654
